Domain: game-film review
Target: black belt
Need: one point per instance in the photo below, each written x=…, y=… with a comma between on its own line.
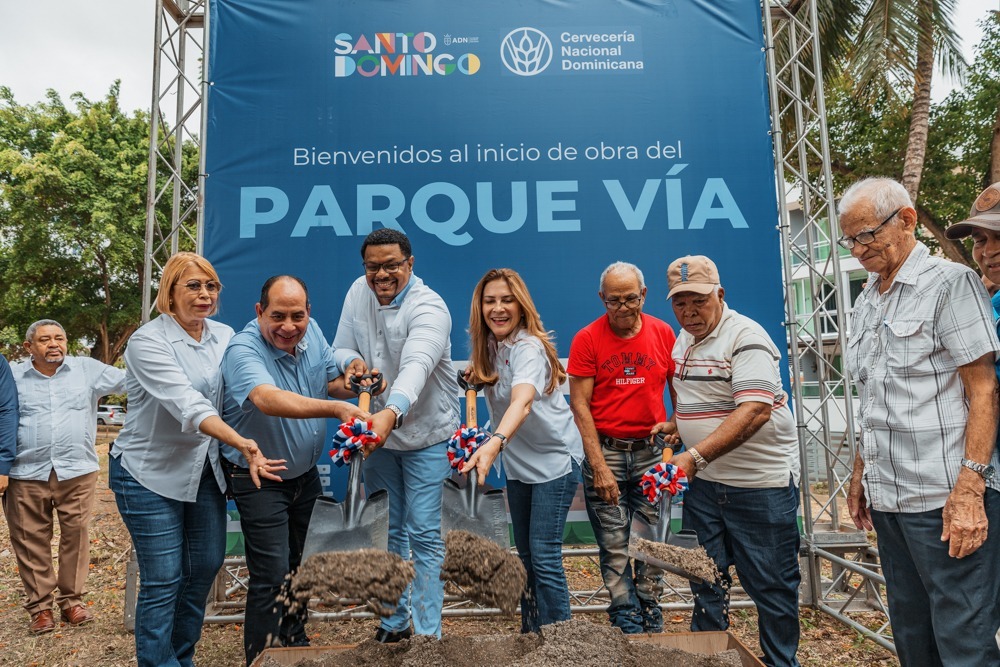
x=623, y=444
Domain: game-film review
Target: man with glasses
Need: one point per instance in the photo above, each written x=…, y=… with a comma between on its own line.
x=393, y=322
x=742, y=458
x=921, y=351
x=619, y=366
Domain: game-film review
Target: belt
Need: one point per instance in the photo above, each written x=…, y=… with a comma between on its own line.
x=623, y=444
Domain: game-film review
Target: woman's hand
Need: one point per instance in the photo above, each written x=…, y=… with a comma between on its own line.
x=482, y=460
x=259, y=465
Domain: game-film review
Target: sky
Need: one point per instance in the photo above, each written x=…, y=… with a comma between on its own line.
x=80, y=46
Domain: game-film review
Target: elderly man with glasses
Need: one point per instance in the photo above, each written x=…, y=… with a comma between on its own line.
x=921, y=351
x=619, y=366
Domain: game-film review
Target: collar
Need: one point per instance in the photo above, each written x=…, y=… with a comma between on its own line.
x=727, y=313
x=908, y=272
x=64, y=365
x=176, y=334
x=510, y=341
x=275, y=353
x=397, y=301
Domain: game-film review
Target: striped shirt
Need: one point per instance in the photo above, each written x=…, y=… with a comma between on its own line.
x=904, y=352
x=736, y=363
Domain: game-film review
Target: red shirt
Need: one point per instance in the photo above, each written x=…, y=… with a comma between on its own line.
x=630, y=374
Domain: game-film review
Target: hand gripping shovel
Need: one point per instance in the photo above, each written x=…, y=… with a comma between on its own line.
x=660, y=532
x=480, y=512
x=355, y=523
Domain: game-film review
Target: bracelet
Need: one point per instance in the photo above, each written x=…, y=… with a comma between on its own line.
x=502, y=438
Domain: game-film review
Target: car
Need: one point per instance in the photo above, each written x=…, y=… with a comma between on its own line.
x=110, y=415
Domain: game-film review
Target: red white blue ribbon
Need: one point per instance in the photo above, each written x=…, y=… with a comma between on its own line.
x=663, y=477
x=349, y=438
x=464, y=443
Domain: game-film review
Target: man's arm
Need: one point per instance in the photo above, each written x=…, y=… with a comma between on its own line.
x=964, y=517
x=281, y=403
x=8, y=422
x=581, y=391
x=735, y=429
x=857, y=503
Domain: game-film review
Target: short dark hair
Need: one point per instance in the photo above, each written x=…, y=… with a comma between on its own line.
x=265, y=291
x=387, y=236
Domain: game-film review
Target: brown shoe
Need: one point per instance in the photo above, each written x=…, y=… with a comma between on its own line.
x=77, y=615
x=42, y=622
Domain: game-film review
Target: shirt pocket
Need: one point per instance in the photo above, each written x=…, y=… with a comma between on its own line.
x=908, y=344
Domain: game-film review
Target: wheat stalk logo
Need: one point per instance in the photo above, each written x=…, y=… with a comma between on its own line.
x=526, y=51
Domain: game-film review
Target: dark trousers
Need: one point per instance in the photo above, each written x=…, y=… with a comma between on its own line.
x=274, y=520
x=944, y=610
x=755, y=530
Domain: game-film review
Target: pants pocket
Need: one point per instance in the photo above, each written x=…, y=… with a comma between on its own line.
x=611, y=517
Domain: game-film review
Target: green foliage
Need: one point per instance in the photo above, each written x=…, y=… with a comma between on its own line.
x=72, y=217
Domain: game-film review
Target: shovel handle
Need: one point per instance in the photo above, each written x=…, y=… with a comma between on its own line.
x=470, y=399
x=365, y=393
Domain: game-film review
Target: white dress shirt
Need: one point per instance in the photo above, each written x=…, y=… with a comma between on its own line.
x=57, y=424
x=174, y=383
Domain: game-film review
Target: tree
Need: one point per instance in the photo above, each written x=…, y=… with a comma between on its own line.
x=72, y=217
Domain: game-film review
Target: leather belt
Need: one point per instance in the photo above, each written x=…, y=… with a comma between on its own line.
x=623, y=444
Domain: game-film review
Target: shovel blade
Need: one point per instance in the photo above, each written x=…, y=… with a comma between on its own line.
x=659, y=531
x=485, y=514
x=332, y=529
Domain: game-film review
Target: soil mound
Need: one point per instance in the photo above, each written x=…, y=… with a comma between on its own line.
x=695, y=561
x=377, y=577
x=488, y=574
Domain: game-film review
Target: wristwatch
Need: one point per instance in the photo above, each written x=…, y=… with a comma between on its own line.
x=699, y=461
x=985, y=471
x=502, y=438
x=396, y=411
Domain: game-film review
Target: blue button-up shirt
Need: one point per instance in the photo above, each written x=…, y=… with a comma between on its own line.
x=173, y=383
x=8, y=418
x=58, y=417
x=249, y=362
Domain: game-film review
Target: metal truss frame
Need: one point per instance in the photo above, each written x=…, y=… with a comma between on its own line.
x=840, y=570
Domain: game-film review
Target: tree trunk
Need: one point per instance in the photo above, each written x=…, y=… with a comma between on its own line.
x=916, y=142
x=995, y=150
x=953, y=250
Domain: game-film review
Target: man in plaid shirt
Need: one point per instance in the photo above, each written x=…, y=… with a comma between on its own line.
x=921, y=350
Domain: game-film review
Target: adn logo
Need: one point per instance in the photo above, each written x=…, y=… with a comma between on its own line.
x=526, y=51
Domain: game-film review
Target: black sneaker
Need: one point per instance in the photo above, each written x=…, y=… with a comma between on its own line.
x=383, y=636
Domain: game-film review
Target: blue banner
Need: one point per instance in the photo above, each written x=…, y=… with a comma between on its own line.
x=550, y=137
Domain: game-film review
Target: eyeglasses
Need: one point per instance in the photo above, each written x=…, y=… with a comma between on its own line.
x=631, y=301
x=195, y=286
x=864, y=238
x=388, y=267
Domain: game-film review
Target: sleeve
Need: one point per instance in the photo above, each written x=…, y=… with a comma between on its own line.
x=8, y=418
x=581, y=356
x=965, y=320
x=427, y=336
x=243, y=370
x=106, y=379
x=327, y=357
x=153, y=364
x=529, y=365
x=345, y=342
x=756, y=376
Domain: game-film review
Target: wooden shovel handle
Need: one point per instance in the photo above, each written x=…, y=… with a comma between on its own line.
x=470, y=408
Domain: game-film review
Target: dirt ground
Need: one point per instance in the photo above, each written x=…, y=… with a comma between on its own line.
x=106, y=643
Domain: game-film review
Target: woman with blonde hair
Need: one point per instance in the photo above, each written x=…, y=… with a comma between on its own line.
x=514, y=355
x=164, y=466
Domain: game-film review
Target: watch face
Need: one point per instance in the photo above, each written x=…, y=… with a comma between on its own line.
x=988, y=473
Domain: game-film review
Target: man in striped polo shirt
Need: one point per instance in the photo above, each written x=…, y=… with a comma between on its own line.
x=742, y=458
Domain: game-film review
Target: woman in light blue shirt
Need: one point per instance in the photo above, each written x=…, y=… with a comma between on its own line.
x=514, y=355
x=164, y=467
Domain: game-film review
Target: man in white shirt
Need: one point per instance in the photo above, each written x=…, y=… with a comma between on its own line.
x=55, y=469
x=394, y=323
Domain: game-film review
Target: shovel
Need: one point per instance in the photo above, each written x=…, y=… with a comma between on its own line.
x=472, y=509
x=660, y=532
x=355, y=523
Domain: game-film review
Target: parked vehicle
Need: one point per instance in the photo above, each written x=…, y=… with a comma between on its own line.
x=113, y=415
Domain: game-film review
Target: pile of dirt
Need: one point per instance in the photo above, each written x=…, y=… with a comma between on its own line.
x=695, y=561
x=371, y=575
x=578, y=643
x=486, y=572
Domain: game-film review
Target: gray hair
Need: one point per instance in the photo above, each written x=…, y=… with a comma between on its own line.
x=623, y=267
x=884, y=194
x=30, y=334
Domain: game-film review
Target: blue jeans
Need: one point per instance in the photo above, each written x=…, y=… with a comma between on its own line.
x=414, y=481
x=635, y=604
x=944, y=610
x=538, y=514
x=757, y=531
x=274, y=519
x=180, y=547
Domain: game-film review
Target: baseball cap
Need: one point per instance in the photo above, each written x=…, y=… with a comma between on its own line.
x=694, y=273
x=985, y=214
